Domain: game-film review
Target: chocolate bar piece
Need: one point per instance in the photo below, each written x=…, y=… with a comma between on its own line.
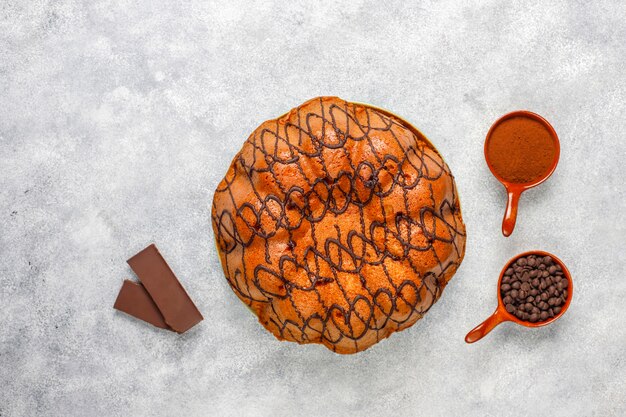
x=179, y=312
x=133, y=299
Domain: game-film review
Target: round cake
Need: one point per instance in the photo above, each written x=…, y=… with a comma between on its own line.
x=338, y=223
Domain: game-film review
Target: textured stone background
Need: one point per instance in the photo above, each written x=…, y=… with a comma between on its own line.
x=118, y=118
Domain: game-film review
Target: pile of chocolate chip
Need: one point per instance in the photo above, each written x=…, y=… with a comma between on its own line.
x=533, y=288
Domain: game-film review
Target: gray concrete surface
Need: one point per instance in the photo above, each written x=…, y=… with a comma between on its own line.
x=118, y=119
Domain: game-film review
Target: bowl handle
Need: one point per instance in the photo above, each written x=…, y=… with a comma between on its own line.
x=485, y=327
x=510, y=215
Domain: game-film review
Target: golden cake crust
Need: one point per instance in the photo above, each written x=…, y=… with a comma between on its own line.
x=338, y=224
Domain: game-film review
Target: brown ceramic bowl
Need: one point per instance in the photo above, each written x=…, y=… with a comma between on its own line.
x=513, y=189
x=501, y=315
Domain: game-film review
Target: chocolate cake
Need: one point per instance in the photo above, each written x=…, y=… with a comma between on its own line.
x=338, y=223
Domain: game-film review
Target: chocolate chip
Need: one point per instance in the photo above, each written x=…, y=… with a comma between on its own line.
x=533, y=288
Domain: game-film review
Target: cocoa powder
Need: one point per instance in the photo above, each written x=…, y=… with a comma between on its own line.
x=521, y=150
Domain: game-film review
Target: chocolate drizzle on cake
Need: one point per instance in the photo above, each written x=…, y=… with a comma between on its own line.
x=338, y=224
